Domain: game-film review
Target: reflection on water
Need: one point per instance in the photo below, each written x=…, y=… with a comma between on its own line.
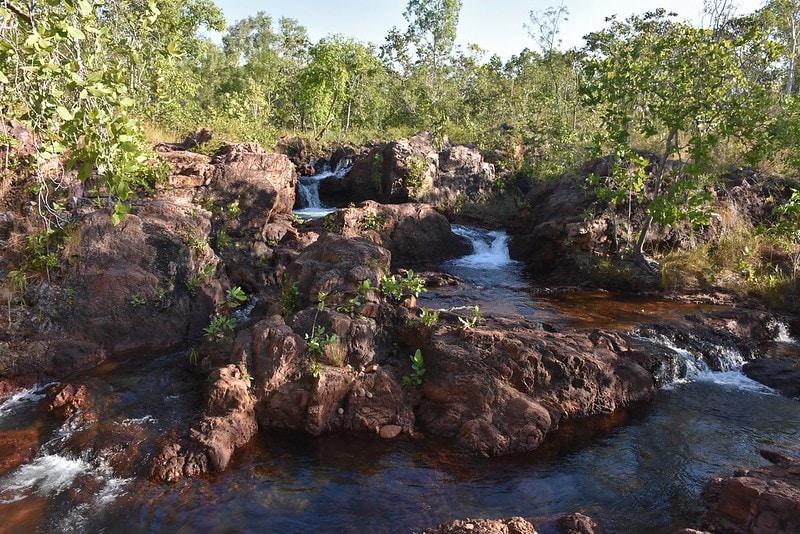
x=646, y=474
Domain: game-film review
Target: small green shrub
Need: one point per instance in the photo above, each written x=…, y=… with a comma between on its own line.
x=415, y=174
x=372, y=221
x=427, y=318
x=396, y=288
x=414, y=380
x=289, y=298
x=470, y=322
x=219, y=325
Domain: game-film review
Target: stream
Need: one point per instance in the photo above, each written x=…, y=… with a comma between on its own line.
x=640, y=469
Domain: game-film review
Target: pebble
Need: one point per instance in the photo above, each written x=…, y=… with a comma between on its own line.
x=341, y=411
x=369, y=394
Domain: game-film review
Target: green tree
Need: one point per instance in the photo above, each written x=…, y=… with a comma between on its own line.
x=58, y=75
x=677, y=86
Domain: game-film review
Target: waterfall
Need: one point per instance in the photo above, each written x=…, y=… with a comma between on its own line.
x=489, y=248
x=713, y=363
x=310, y=205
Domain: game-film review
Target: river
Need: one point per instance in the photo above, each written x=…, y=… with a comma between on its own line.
x=640, y=469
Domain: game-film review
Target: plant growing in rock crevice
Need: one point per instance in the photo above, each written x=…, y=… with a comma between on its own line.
x=468, y=323
x=396, y=288
x=414, y=380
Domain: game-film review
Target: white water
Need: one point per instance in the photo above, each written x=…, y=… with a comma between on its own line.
x=45, y=476
x=489, y=249
x=690, y=367
x=21, y=400
x=782, y=334
x=312, y=206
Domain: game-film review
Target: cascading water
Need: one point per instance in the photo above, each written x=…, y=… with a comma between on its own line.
x=310, y=206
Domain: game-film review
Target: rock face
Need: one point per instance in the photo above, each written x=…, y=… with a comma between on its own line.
x=149, y=284
x=415, y=234
x=761, y=500
x=500, y=388
x=228, y=422
x=782, y=374
x=572, y=524
x=412, y=169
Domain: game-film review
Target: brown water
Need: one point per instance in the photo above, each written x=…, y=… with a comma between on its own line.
x=642, y=469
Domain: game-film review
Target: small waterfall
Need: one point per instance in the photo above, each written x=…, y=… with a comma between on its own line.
x=489, y=248
x=782, y=333
x=710, y=363
x=309, y=203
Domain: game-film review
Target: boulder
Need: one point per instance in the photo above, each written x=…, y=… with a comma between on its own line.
x=140, y=286
x=262, y=184
x=514, y=525
x=761, y=500
x=413, y=169
x=227, y=423
x=501, y=387
x=63, y=400
x=782, y=374
x=415, y=234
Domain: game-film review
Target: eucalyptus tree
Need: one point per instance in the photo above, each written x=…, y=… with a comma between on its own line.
x=677, y=87
x=338, y=72
x=422, y=57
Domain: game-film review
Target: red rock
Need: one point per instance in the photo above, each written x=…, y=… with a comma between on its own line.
x=390, y=431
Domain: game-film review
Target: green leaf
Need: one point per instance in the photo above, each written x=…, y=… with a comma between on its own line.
x=64, y=113
x=75, y=33
x=4, y=79
x=119, y=212
x=85, y=8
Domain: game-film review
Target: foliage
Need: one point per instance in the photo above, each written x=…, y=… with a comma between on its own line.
x=467, y=323
x=218, y=326
x=427, y=318
x=319, y=340
x=681, y=86
x=289, y=298
x=372, y=221
x=396, y=288
x=62, y=74
x=414, y=380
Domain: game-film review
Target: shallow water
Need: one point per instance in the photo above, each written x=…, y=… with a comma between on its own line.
x=639, y=469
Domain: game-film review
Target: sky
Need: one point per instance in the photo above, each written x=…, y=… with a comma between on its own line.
x=494, y=25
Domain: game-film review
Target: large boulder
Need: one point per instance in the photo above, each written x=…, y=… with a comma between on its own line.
x=415, y=234
x=762, y=500
x=503, y=386
x=414, y=169
x=262, y=184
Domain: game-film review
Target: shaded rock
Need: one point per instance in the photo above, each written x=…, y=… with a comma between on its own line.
x=782, y=374
x=130, y=290
x=63, y=400
x=390, y=431
x=578, y=524
x=278, y=354
x=413, y=169
x=414, y=233
x=262, y=184
x=761, y=500
x=228, y=423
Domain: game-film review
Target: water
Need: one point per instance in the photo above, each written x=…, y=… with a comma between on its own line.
x=640, y=469
x=310, y=205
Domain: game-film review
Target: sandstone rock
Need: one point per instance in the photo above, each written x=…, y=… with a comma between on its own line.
x=228, y=423
x=502, y=387
x=262, y=184
x=761, y=500
x=514, y=525
x=390, y=431
x=782, y=374
x=188, y=169
x=336, y=265
x=63, y=400
x=414, y=233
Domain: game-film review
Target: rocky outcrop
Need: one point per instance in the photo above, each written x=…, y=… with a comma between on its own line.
x=413, y=169
x=228, y=422
x=63, y=400
x=761, y=500
x=415, y=234
x=572, y=524
x=782, y=374
x=502, y=387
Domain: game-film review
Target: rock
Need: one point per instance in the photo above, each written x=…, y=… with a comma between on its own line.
x=130, y=287
x=336, y=265
x=415, y=234
x=578, y=524
x=278, y=355
x=761, y=500
x=515, y=525
x=390, y=431
x=413, y=169
x=228, y=422
x=63, y=400
x=262, y=184
x=782, y=374
x=500, y=388
x=188, y=169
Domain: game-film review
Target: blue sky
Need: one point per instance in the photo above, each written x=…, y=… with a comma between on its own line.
x=496, y=26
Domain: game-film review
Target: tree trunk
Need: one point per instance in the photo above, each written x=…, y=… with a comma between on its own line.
x=639, y=250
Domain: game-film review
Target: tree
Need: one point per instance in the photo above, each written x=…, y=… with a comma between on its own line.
x=681, y=87
x=62, y=74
